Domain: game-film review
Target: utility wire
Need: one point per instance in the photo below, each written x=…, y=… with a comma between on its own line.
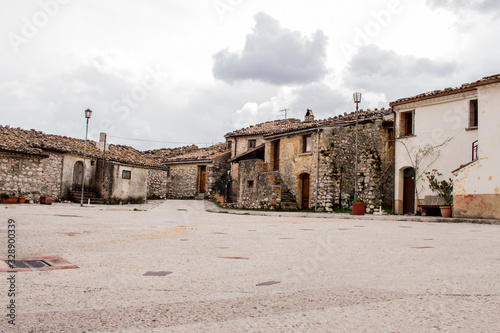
x=144, y=140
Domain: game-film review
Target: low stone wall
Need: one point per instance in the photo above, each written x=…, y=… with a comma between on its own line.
x=30, y=176
x=157, y=183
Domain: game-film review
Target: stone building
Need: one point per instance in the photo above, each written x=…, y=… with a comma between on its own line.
x=34, y=164
x=310, y=164
x=194, y=172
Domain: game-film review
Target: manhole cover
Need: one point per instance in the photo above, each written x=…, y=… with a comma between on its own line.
x=159, y=273
x=36, y=264
x=243, y=258
x=268, y=283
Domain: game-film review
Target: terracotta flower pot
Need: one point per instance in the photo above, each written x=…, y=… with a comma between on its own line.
x=358, y=208
x=21, y=200
x=445, y=211
x=46, y=200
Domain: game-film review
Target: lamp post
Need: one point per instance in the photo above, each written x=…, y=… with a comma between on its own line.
x=88, y=113
x=357, y=100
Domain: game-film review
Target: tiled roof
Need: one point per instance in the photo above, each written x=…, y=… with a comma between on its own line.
x=38, y=143
x=164, y=152
x=199, y=154
x=290, y=125
x=449, y=91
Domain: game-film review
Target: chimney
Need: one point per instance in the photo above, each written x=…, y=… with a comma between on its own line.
x=102, y=144
x=309, y=116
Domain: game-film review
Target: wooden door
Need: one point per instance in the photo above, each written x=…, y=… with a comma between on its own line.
x=276, y=150
x=305, y=191
x=409, y=191
x=203, y=178
x=78, y=174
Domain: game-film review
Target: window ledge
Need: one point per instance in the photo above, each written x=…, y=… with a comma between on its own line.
x=471, y=128
x=305, y=154
x=407, y=136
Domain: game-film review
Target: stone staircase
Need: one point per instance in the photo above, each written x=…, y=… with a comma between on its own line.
x=288, y=201
x=76, y=195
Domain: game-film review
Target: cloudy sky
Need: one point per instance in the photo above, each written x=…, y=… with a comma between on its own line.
x=181, y=72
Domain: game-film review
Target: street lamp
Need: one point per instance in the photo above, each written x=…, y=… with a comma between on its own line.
x=88, y=113
x=357, y=100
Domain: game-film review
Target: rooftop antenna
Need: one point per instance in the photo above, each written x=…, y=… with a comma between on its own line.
x=285, y=111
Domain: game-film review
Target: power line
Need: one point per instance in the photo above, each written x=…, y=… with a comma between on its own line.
x=157, y=141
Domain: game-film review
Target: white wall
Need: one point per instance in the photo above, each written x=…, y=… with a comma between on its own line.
x=483, y=176
x=441, y=123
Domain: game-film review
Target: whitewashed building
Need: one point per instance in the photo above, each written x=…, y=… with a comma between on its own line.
x=457, y=132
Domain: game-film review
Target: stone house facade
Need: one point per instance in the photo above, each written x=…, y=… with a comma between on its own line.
x=193, y=172
x=309, y=164
x=456, y=132
x=35, y=164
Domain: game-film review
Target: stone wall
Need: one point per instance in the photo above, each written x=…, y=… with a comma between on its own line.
x=183, y=181
x=217, y=170
x=30, y=176
x=375, y=171
x=256, y=186
x=111, y=185
x=157, y=183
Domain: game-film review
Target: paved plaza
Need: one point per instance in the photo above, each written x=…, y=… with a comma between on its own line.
x=171, y=266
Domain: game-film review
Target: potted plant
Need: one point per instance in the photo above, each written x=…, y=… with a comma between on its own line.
x=4, y=197
x=444, y=188
x=358, y=207
x=45, y=200
x=21, y=198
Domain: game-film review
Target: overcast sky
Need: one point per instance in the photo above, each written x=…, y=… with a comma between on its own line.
x=184, y=72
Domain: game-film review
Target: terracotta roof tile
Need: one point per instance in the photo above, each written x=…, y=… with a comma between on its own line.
x=448, y=91
x=290, y=125
x=38, y=143
x=198, y=154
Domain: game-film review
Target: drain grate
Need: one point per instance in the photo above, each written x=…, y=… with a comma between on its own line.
x=158, y=273
x=36, y=264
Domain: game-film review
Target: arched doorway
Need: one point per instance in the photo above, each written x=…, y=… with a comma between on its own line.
x=78, y=174
x=409, y=191
x=306, y=182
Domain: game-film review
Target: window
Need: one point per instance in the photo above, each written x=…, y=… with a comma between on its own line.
x=229, y=144
x=406, y=124
x=126, y=174
x=473, y=123
x=250, y=183
x=252, y=143
x=306, y=143
x=92, y=163
x=168, y=171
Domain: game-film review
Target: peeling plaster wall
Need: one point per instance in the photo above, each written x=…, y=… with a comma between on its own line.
x=115, y=189
x=477, y=185
x=436, y=121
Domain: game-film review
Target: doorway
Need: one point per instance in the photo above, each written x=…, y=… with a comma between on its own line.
x=409, y=191
x=276, y=155
x=78, y=174
x=306, y=181
x=203, y=178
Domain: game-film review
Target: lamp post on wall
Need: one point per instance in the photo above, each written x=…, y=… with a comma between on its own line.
x=88, y=113
x=357, y=100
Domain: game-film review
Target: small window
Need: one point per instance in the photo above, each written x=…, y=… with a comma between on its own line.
x=92, y=163
x=473, y=119
x=252, y=143
x=229, y=144
x=250, y=183
x=168, y=171
x=406, y=124
x=126, y=174
x=306, y=143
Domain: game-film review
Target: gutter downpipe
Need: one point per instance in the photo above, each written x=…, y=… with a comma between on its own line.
x=317, y=171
